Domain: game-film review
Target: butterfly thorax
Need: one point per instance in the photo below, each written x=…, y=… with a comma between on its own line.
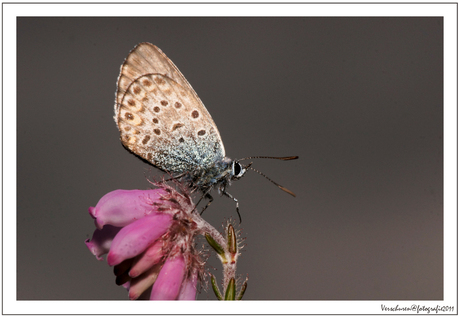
x=217, y=176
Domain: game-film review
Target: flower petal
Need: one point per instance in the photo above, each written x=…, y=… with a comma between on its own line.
x=141, y=283
x=121, y=207
x=133, y=239
x=169, y=280
x=188, y=289
x=101, y=241
x=146, y=260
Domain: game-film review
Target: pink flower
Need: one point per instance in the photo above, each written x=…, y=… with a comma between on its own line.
x=148, y=235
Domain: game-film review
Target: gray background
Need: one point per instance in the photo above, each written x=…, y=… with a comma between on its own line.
x=358, y=99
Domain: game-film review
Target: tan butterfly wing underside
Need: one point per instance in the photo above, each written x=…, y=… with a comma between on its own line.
x=160, y=116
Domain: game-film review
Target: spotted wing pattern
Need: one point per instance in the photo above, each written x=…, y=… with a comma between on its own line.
x=161, y=118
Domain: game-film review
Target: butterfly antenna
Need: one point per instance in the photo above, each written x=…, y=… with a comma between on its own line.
x=284, y=158
x=280, y=187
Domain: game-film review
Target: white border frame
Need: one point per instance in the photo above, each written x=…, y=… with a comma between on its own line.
x=12, y=10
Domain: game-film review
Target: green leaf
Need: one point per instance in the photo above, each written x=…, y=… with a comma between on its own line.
x=231, y=240
x=230, y=293
x=215, y=288
x=242, y=290
x=216, y=246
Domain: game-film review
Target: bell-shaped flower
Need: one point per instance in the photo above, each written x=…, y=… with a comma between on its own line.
x=148, y=235
x=122, y=207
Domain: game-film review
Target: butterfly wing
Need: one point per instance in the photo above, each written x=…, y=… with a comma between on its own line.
x=160, y=117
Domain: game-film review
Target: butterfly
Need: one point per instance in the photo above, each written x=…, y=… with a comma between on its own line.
x=163, y=121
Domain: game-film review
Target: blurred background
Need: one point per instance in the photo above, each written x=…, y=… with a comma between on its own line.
x=360, y=100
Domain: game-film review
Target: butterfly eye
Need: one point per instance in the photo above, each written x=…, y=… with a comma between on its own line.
x=238, y=171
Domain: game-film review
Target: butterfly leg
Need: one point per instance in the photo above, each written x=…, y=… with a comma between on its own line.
x=208, y=196
x=236, y=201
x=173, y=178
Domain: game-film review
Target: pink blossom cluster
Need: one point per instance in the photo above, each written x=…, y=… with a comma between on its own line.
x=148, y=236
